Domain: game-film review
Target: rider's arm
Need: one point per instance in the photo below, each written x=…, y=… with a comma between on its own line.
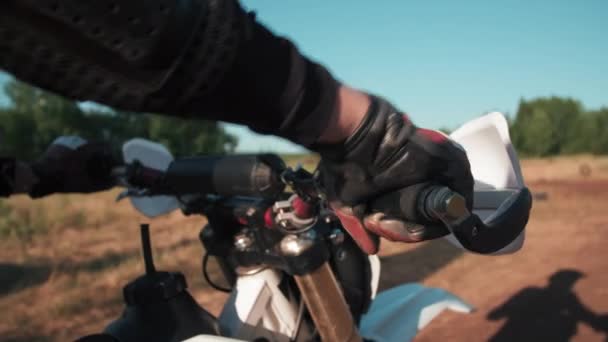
x=199, y=58
x=348, y=114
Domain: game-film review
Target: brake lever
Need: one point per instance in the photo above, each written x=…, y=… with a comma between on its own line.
x=123, y=175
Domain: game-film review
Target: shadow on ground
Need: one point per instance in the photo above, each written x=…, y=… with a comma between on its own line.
x=549, y=313
x=415, y=265
x=15, y=277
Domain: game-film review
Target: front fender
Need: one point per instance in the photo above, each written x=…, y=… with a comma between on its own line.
x=399, y=313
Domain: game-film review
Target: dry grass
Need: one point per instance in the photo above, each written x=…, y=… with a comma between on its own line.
x=66, y=280
x=566, y=168
x=62, y=277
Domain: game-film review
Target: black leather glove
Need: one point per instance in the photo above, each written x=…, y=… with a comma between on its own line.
x=372, y=179
x=73, y=165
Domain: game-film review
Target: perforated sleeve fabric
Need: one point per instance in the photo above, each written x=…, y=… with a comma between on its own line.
x=194, y=58
x=132, y=54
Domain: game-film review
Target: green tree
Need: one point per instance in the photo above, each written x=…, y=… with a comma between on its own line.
x=547, y=126
x=34, y=118
x=188, y=137
x=596, y=133
x=542, y=137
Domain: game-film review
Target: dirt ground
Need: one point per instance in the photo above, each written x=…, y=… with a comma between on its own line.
x=67, y=282
x=535, y=294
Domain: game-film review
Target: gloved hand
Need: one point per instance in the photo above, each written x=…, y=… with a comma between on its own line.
x=73, y=165
x=381, y=168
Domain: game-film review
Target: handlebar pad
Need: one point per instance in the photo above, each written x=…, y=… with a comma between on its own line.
x=237, y=175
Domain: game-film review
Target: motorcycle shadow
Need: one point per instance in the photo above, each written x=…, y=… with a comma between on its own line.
x=16, y=277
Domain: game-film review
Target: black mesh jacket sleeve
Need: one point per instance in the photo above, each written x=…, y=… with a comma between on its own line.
x=207, y=59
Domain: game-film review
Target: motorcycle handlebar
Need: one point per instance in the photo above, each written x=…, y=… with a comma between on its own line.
x=237, y=175
x=260, y=176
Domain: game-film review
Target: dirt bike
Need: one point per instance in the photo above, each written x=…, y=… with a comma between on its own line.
x=294, y=273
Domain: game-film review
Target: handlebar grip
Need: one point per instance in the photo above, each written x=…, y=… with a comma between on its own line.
x=236, y=175
x=498, y=231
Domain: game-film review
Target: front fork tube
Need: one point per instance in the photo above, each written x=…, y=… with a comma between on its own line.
x=326, y=305
x=321, y=293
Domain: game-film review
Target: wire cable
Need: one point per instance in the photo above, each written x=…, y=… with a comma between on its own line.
x=208, y=279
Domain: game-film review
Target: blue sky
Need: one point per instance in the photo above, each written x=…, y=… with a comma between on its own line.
x=445, y=62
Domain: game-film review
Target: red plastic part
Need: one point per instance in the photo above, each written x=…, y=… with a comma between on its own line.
x=301, y=209
x=268, y=218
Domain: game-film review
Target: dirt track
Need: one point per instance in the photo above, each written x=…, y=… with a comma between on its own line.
x=569, y=231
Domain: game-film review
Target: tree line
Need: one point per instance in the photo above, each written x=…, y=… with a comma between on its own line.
x=33, y=118
x=555, y=125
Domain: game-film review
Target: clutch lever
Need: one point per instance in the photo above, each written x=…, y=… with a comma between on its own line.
x=121, y=176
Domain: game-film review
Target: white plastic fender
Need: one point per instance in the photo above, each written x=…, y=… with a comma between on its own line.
x=399, y=313
x=258, y=308
x=374, y=263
